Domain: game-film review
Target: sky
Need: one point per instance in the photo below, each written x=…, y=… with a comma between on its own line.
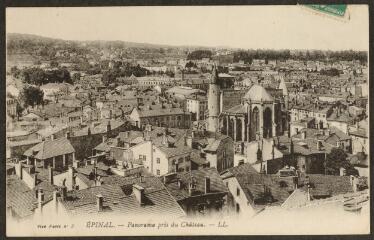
x=248, y=27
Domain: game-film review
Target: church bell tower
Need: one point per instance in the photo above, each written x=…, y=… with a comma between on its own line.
x=213, y=102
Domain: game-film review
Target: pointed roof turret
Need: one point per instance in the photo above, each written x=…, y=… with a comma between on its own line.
x=283, y=86
x=214, y=77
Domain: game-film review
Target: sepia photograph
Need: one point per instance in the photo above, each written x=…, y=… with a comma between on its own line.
x=187, y=120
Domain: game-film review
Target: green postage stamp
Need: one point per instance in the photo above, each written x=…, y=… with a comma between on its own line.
x=337, y=10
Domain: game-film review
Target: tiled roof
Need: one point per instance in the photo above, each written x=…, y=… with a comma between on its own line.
x=20, y=197
x=105, y=146
x=328, y=185
x=198, y=176
x=101, y=127
x=119, y=199
x=51, y=148
x=161, y=112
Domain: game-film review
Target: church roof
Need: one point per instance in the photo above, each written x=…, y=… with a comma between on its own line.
x=258, y=93
x=283, y=86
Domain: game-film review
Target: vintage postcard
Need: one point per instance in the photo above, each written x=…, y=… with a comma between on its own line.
x=187, y=120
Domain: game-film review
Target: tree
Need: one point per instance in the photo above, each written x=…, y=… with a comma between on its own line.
x=53, y=63
x=337, y=159
x=76, y=77
x=32, y=96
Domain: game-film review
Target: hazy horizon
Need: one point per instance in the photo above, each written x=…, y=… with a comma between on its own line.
x=237, y=27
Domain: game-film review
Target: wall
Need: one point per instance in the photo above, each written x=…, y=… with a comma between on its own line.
x=28, y=179
x=245, y=208
x=163, y=166
x=145, y=149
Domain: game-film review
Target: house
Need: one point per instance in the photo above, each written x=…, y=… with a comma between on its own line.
x=360, y=138
x=220, y=152
x=197, y=105
x=26, y=190
x=250, y=191
x=360, y=161
x=58, y=153
x=199, y=192
x=172, y=117
x=332, y=136
x=52, y=91
x=263, y=154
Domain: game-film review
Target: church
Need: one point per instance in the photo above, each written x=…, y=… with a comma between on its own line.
x=262, y=112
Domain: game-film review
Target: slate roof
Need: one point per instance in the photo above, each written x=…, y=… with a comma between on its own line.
x=258, y=93
x=253, y=185
x=238, y=109
x=50, y=148
x=214, y=143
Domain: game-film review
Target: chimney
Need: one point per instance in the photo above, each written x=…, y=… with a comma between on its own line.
x=308, y=194
x=75, y=164
x=19, y=169
x=31, y=170
x=68, y=135
x=71, y=181
x=95, y=171
x=64, y=192
x=52, y=137
x=207, y=184
x=89, y=131
x=191, y=188
x=303, y=134
x=139, y=193
x=176, y=167
x=142, y=179
x=169, y=177
x=164, y=139
x=35, y=180
x=179, y=182
x=50, y=175
x=110, y=114
x=40, y=198
x=55, y=200
x=81, y=118
x=99, y=202
x=319, y=145
x=108, y=127
x=104, y=138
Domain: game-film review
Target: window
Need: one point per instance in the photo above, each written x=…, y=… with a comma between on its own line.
x=187, y=169
x=188, y=158
x=237, y=192
x=237, y=208
x=158, y=160
x=158, y=172
x=180, y=160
